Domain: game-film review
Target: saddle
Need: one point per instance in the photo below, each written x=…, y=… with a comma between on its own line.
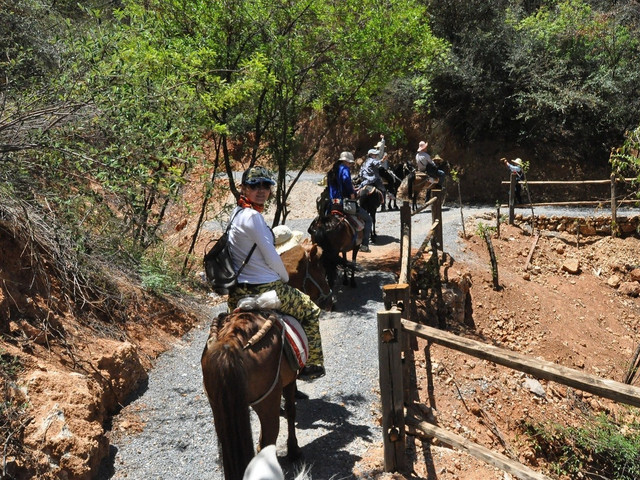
x=369, y=190
x=423, y=179
x=295, y=342
x=356, y=224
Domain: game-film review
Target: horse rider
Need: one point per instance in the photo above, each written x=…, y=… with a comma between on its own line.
x=426, y=166
x=370, y=171
x=384, y=169
x=341, y=187
x=265, y=270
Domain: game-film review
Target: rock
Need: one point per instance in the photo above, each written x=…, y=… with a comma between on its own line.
x=571, y=265
x=534, y=387
x=631, y=289
x=68, y=419
x=122, y=367
x=614, y=281
x=635, y=275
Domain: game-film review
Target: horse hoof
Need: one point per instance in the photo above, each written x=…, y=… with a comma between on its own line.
x=294, y=454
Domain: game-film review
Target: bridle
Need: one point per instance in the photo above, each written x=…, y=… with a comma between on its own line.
x=307, y=276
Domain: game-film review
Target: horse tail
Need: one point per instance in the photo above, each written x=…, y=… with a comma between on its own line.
x=226, y=384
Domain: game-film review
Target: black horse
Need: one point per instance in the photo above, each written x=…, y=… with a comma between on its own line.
x=392, y=181
x=370, y=199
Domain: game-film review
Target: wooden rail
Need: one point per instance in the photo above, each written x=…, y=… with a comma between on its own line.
x=567, y=182
x=613, y=201
x=398, y=339
x=616, y=391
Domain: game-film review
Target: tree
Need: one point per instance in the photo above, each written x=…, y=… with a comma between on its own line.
x=625, y=160
x=246, y=75
x=575, y=72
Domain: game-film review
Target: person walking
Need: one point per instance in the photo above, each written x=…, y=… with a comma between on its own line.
x=341, y=187
x=265, y=270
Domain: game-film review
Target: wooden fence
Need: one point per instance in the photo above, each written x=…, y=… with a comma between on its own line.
x=613, y=200
x=398, y=340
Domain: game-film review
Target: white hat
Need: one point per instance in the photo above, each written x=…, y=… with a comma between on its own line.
x=518, y=161
x=347, y=157
x=285, y=238
x=422, y=146
x=379, y=144
x=373, y=151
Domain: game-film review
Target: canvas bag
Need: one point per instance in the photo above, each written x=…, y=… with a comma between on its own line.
x=350, y=206
x=218, y=265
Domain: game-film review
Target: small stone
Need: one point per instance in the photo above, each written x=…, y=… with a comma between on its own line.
x=571, y=265
x=534, y=387
x=614, y=281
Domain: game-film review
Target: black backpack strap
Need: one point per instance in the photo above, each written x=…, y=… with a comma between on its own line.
x=246, y=259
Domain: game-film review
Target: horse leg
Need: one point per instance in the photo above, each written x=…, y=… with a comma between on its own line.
x=345, y=279
x=373, y=227
x=294, y=452
x=268, y=411
x=353, y=267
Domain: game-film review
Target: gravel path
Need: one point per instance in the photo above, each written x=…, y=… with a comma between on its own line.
x=335, y=426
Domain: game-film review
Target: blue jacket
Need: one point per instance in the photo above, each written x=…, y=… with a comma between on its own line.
x=342, y=187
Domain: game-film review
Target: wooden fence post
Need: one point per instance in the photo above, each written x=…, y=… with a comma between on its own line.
x=614, y=207
x=512, y=199
x=405, y=242
x=436, y=214
x=391, y=390
x=398, y=297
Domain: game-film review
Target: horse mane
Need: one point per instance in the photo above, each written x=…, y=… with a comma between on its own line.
x=292, y=259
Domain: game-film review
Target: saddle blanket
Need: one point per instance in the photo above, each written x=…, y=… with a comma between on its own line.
x=296, y=348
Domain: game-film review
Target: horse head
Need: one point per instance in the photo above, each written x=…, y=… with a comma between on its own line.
x=307, y=273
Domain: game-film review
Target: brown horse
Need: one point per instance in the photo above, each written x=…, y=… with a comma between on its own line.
x=414, y=184
x=244, y=365
x=337, y=235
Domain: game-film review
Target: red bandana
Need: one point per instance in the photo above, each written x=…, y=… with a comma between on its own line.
x=244, y=202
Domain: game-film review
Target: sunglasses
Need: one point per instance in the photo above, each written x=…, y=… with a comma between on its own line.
x=263, y=185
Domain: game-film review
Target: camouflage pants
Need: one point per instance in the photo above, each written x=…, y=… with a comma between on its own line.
x=294, y=303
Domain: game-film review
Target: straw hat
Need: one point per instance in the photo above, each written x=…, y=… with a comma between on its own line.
x=518, y=161
x=285, y=238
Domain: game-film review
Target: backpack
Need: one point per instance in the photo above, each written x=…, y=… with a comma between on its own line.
x=323, y=202
x=218, y=265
